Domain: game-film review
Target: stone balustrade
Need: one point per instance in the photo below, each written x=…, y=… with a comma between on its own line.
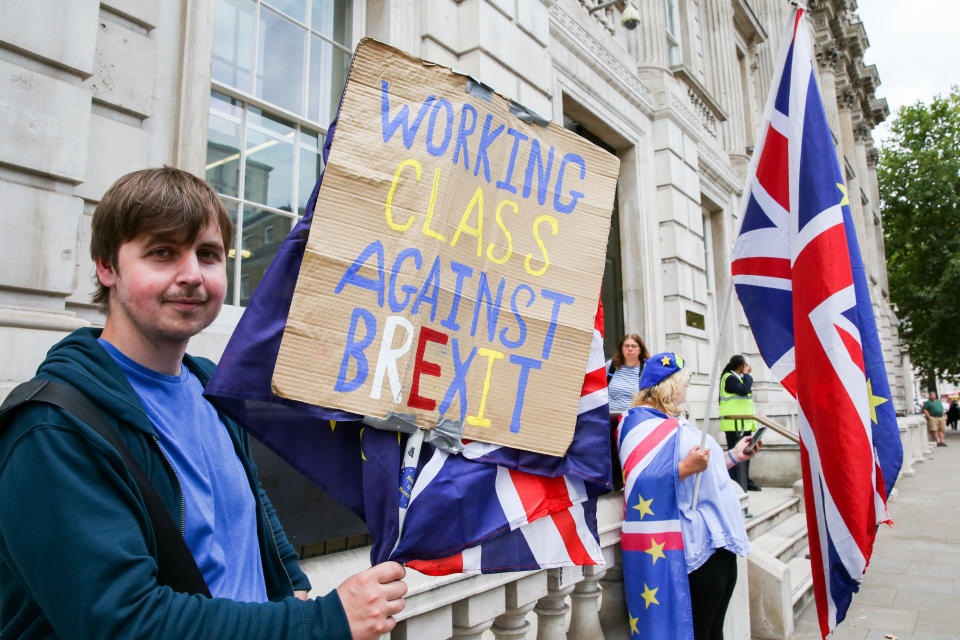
x=576, y=603
x=565, y=603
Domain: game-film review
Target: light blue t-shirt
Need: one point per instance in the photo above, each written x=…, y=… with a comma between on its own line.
x=717, y=522
x=219, y=510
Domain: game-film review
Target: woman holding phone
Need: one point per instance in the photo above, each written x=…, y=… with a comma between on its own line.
x=713, y=531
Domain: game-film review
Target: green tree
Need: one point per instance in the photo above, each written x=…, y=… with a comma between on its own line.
x=919, y=180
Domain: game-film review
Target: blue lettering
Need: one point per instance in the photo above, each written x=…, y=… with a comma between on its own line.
x=395, y=305
x=493, y=306
x=521, y=325
x=535, y=163
x=462, y=271
x=505, y=184
x=463, y=133
x=570, y=158
x=459, y=382
x=525, y=365
x=486, y=139
x=440, y=149
x=433, y=278
x=354, y=349
x=558, y=299
x=402, y=118
x=352, y=275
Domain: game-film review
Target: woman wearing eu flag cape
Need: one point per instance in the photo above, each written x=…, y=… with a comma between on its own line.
x=664, y=536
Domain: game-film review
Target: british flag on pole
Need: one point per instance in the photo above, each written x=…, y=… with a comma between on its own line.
x=799, y=275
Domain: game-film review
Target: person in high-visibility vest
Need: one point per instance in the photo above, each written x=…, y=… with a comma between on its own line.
x=736, y=399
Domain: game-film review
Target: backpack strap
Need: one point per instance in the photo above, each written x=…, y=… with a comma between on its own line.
x=176, y=566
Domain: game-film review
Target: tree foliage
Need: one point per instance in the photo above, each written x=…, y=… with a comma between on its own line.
x=919, y=181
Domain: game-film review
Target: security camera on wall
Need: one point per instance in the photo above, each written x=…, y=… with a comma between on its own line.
x=630, y=17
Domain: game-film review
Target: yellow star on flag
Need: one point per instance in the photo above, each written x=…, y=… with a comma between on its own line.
x=649, y=595
x=875, y=401
x=333, y=425
x=643, y=506
x=665, y=360
x=843, y=189
x=633, y=624
x=656, y=550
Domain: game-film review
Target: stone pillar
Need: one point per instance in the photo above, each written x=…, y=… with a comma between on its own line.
x=521, y=596
x=650, y=37
x=584, y=602
x=613, y=607
x=552, y=609
x=472, y=616
x=723, y=71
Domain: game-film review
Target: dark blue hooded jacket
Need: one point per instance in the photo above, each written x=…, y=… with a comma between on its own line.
x=77, y=550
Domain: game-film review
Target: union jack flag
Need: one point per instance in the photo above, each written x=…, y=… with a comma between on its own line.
x=525, y=519
x=799, y=275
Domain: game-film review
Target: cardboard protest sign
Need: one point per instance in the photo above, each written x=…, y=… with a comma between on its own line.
x=454, y=260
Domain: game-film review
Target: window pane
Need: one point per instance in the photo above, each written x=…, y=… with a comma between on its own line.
x=269, y=163
x=328, y=73
x=280, y=58
x=333, y=18
x=232, y=254
x=233, y=43
x=296, y=9
x=310, y=165
x=223, y=144
x=263, y=232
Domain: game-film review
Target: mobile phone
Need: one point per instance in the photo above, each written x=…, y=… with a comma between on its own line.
x=756, y=437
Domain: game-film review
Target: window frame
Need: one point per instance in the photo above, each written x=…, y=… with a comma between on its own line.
x=301, y=124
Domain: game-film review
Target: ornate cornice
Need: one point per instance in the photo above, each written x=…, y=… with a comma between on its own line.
x=569, y=32
x=718, y=169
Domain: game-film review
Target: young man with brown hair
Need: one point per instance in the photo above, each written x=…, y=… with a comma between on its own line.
x=78, y=551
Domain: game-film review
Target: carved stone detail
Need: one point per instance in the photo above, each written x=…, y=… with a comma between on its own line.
x=595, y=55
x=707, y=119
x=828, y=56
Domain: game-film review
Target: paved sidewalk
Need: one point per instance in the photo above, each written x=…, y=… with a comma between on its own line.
x=911, y=589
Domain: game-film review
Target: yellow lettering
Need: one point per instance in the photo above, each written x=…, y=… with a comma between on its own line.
x=463, y=227
x=393, y=189
x=506, y=233
x=433, y=201
x=491, y=355
x=536, y=234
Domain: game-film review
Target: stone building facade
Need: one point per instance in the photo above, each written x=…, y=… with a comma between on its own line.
x=241, y=91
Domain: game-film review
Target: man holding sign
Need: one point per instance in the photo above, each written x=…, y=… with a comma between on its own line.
x=83, y=553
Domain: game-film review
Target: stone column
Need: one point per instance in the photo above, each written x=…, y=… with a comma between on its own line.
x=584, y=602
x=521, y=596
x=650, y=37
x=723, y=70
x=552, y=609
x=472, y=616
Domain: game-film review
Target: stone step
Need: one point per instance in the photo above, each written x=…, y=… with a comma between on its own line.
x=801, y=583
x=768, y=508
x=786, y=540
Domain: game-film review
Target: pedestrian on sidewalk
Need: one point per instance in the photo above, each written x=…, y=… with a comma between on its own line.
x=936, y=422
x=953, y=414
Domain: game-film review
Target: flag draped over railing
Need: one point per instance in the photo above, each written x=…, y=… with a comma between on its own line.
x=798, y=272
x=489, y=508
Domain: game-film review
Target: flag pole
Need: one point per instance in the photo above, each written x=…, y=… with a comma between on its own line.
x=714, y=374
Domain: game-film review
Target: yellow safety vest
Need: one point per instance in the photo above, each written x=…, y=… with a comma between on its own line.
x=734, y=405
